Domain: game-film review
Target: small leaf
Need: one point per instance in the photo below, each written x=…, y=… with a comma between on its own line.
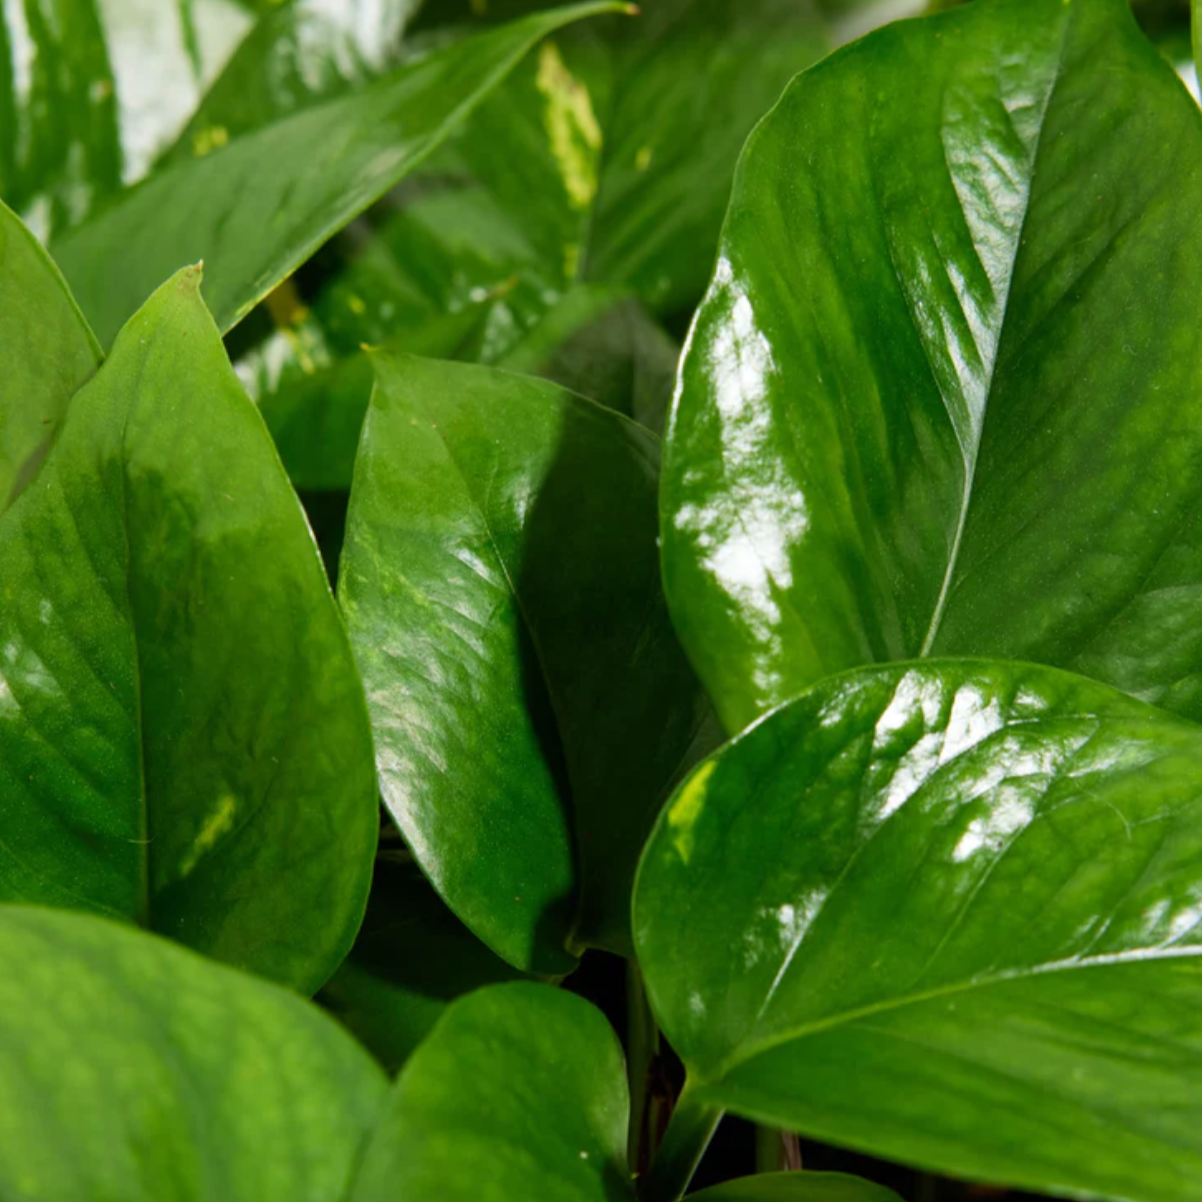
x=947, y=913
x=797, y=1187
x=183, y=735
x=520, y=1086
x=48, y=352
x=412, y=959
x=136, y=1070
x=501, y=584
x=256, y=209
x=945, y=393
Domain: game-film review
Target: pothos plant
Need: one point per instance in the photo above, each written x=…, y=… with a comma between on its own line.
x=862, y=719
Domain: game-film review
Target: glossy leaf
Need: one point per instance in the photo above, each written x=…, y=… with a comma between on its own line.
x=530, y=703
x=135, y=1070
x=519, y=1093
x=260, y=206
x=412, y=959
x=797, y=1187
x=47, y=349
x=183, y=735
x=947, y=913
x=944, y=393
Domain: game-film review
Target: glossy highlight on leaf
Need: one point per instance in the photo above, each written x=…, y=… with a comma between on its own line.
x=530, y=703
x=184, y=740
x=133, y=1069
x=945, y=912
x=943, y=395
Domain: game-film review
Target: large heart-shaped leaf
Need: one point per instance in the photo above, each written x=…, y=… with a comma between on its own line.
x=500, y=580
x=796, y=1187
x=411, y=960
x=256, y=209
x=183, y=735
x=948, y=913
x=521, y=1087
x=945, y=393
x=47, y=349
x=133, y=1069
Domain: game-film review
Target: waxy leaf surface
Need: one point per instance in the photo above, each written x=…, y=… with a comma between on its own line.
x=945, y=393
x=411, y=960
x=530, y=703
x=46, y=353
x=946, y=912
x=183, y=735
x=256, y=209
x=796, y=1187
x=519, y=1093
x=133, y=1069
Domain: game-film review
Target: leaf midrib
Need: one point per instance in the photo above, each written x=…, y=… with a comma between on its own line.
x=972, y=454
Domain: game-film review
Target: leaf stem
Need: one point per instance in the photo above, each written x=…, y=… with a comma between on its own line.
x=776, y=1151
x=642, y=1040
x=689, y=1132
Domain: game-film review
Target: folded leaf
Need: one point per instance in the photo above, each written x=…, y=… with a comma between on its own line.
x=412, y=959
x=256, y=209
x=797, y=1187
x=947, y=913
x=521, y=1087
x=500, y=580
x=945, y=393
x=48, y=352
x=183, y=735
x=136, y=1070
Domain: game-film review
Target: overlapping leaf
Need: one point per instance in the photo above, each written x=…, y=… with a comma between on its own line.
x=500, y=580
x=947, y=913
x=943, y=396
x=257, y=208
x=797, y=1187
x=520, y=1086
x=183, y=736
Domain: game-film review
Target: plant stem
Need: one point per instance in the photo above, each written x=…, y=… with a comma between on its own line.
x=642, y=1039
x=689, y=1132
x=776, y=1151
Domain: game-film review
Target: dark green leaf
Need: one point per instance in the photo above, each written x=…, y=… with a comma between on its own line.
x=257, y=208
x=530, y=703
x=948, y=913
x=412, y=958
x=945, y=394
x=519, y=1094
x=797, y=1187
x=183, y=736
x=48, y=352
x=137, y=1071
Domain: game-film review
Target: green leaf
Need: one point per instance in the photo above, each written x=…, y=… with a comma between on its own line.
x=183, y=735
x=797, y=1187
x=298, y=54
x=500, y=581
x=947, y=913
x=944, y=395
x=256, y=209
x=91, y=91
x=48, y=352
x=521, y=1087
x=412, y=959
x=135, y=1070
